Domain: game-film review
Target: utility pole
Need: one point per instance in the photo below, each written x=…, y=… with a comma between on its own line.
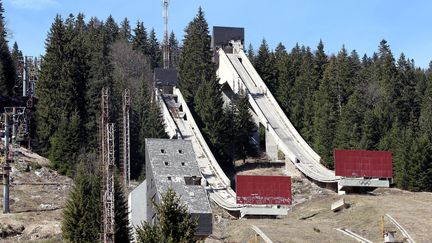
x=165, y=45
x=13, y=117
x=125, y=163
x=6, y=166
x=107, y=162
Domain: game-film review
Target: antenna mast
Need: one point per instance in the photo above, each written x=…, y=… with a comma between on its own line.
x=165, y=45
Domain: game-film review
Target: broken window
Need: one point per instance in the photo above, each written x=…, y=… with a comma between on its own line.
x=192, y=180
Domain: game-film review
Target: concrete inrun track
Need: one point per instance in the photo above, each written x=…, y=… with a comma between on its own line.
x=181, y=124
x=236, y=70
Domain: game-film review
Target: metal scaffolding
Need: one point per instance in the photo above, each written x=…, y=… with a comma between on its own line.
x=125, y=161
x=107, y=164
x=15, y=131
x=5, y=165
x=165, y=44
x=109, y=192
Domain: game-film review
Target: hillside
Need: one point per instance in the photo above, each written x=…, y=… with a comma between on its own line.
x=38, y=196
x=313, y=221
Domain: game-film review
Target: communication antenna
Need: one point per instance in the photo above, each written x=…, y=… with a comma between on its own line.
x=165, y=45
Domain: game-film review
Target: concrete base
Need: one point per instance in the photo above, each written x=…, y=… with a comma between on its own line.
x=137, y=203
x=345, y=183
x=264, y=211
x=271, y=147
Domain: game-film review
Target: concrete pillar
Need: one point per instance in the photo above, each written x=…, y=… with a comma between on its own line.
x=271, y=147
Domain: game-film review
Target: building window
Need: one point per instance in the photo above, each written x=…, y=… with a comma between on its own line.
x=169, y=178
x=180, y=151
x=192, y=180
x=163, y=151
x=183, y=163
x=166, y=163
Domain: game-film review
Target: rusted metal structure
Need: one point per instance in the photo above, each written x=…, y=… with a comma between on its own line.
x=269, y=190
x=125, y=155
x=5, y=166
x=363, y=163
x=108, y=163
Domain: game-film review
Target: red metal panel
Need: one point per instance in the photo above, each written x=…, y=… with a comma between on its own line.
x=363, y=163
x=263, y=189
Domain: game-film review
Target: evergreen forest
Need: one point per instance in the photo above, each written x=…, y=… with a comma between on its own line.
x=348, y=101
x=335, y=101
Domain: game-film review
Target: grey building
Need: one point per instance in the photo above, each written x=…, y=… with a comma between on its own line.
x=165, y=79
x=172, y=163
x=222, y=36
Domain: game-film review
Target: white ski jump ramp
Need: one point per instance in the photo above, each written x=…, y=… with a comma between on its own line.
x=180, y=122
x=237, y=71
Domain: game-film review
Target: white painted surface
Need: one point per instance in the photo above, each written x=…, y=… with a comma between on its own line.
x=242, y=76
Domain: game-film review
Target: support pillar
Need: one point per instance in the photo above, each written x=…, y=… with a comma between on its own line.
x=271, y=147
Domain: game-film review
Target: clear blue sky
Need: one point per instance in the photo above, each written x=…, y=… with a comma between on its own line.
x=360, y=25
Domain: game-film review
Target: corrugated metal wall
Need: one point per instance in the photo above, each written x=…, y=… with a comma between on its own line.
x=263, y=189
x=363, y=163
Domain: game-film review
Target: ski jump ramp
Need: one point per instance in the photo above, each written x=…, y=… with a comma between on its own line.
x=180, y=123
x=236, y=70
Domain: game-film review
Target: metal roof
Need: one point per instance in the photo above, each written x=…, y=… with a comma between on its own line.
x=172, y=160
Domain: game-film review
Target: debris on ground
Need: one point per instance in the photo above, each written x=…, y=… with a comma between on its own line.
x=38, y=195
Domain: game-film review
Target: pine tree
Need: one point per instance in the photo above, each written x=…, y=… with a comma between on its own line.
x=195, y=64
x=7, y=69
x=282, y=75
x=402, y=159
x=264, y=65
x=320, y=60
x=111, y=29
x=245, y=129
x=286, y=79
x=425, y=120
x=83, y=213
x=65, y=144
x=251, y=53
x=303, y=96
x=99, y=75
x=50, y=106
x=174, y=223
x=209, y=109
x=140, y=38
x=228, y=136
x=155, y=53
x=121, y=215
x=174, y=51
x=407, y=103
x=125, y=31
x=17, y=58
x=325, y=116
x=388, y=85
x=421, y=178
